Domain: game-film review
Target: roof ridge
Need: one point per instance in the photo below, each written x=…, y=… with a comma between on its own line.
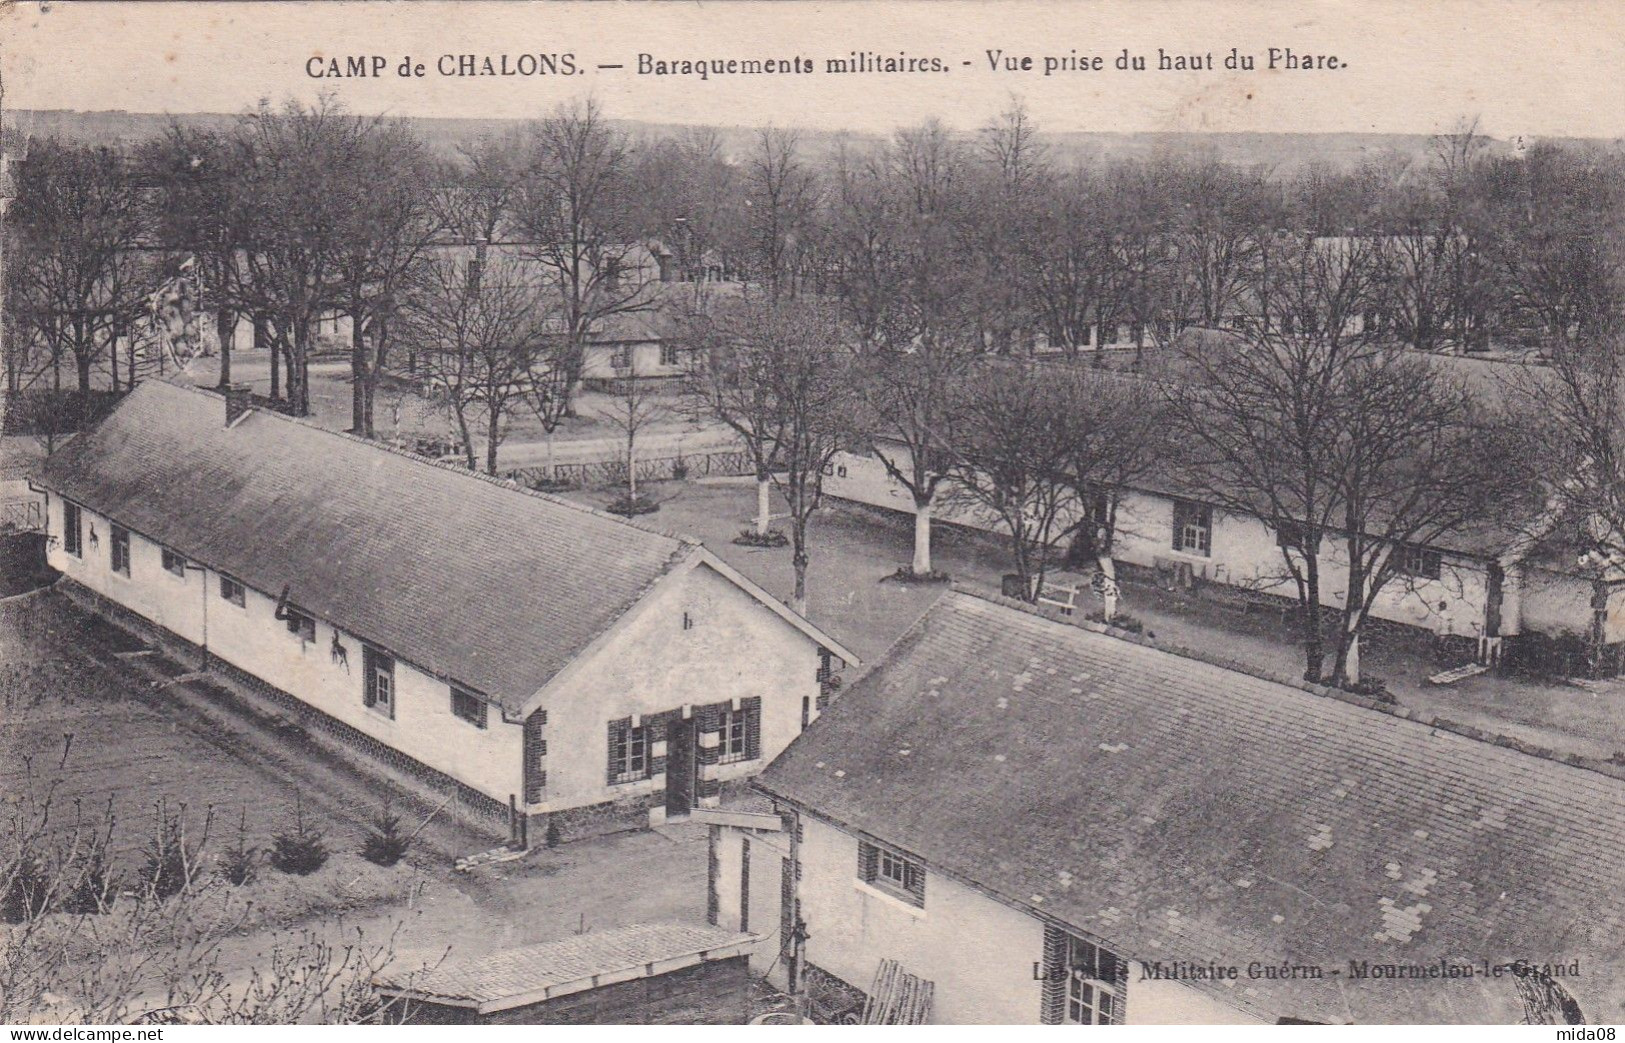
x=1596, y=765
x=456, y=469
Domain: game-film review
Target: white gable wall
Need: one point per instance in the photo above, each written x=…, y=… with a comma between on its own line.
x=736, y=648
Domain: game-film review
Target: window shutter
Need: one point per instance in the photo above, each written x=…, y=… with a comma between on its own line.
x=868, y=861
x=1052, y=1002
x=752, y=708
x=1179, y=525
x=915, y=882
x=535, y=749
x=617, y=744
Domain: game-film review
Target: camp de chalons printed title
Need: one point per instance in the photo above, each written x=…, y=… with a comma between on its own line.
x=704, y=67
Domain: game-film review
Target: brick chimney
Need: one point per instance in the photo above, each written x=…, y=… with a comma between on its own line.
x=238, y=401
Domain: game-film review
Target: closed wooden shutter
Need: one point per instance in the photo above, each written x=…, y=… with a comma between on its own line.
x=535, y=757
x=1052, y=1003
x=787, y=907
x=868, y=861
x=744, y=885
x=619, y=733
x=752, y=708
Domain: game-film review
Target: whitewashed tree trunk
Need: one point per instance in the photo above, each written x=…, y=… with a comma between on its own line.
x=1351, y=664
x=1109, y=569
x=764, y=495
x=922, y=539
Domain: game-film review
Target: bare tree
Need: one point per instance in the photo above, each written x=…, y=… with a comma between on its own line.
x=731, y=381
x=1011, y=459
x=76, y=218
x=781, y=197
x=196, y=214
x=909, y=289
x=634, y=405
x=478, y=332
x=575, y=208
x=1304, y=422
x=390, y=222
x=297, y=169
x=1046, y=451
x=816, y=395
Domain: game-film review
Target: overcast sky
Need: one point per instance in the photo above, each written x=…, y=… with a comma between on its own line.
x=1530, y=67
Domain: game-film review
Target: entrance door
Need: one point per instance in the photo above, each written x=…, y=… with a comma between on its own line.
x=680, y=764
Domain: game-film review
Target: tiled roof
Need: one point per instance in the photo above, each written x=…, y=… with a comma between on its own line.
x=1178, y=811
x=535, y=972
x=468, y=578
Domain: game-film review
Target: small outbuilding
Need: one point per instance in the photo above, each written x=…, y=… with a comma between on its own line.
x=644, y=974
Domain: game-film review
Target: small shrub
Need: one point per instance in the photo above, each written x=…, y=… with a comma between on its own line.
x=906, y=574
x=632, y=506
x=554, y=837
x=552, y=485
x=1121, y=621
x=679, y=469
x=90, y=889
x=770, y=538
x=1371, y=688
x=301, y=852
x=385, y=844
x=27, y=890
x=240, y=864
x=170, y=864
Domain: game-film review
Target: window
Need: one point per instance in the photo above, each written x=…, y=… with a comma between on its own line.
x=121, y=549
x=1418, y=561
x=628, y=751
x=1292, y=534
x=1094, y=978
x=1193, y=527
x=741, y=732
x=300, y=624
x=73, y=539
x=891, y=871
x=174, y=563
x=668, y=354
x=380, y=671
x=232, y=591
x=622, y=358
x=469, y=707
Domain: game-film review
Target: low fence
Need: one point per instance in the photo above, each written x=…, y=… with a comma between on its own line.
x=22, y=516
x=605, y=473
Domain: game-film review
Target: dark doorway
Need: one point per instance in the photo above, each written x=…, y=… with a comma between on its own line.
x=680, y=759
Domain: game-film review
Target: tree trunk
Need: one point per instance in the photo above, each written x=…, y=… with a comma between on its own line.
x=225, y=333
x=1108, y=568
x=358, y=377
x=1314, y=645
x=922, y=539
x=276, y=369
x=493, y=438
x=467, y=440
x=764, y=495
x=1351, y=662
x=631, y=466
x=798, y=600
x=112, y=355
x=380, y=334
